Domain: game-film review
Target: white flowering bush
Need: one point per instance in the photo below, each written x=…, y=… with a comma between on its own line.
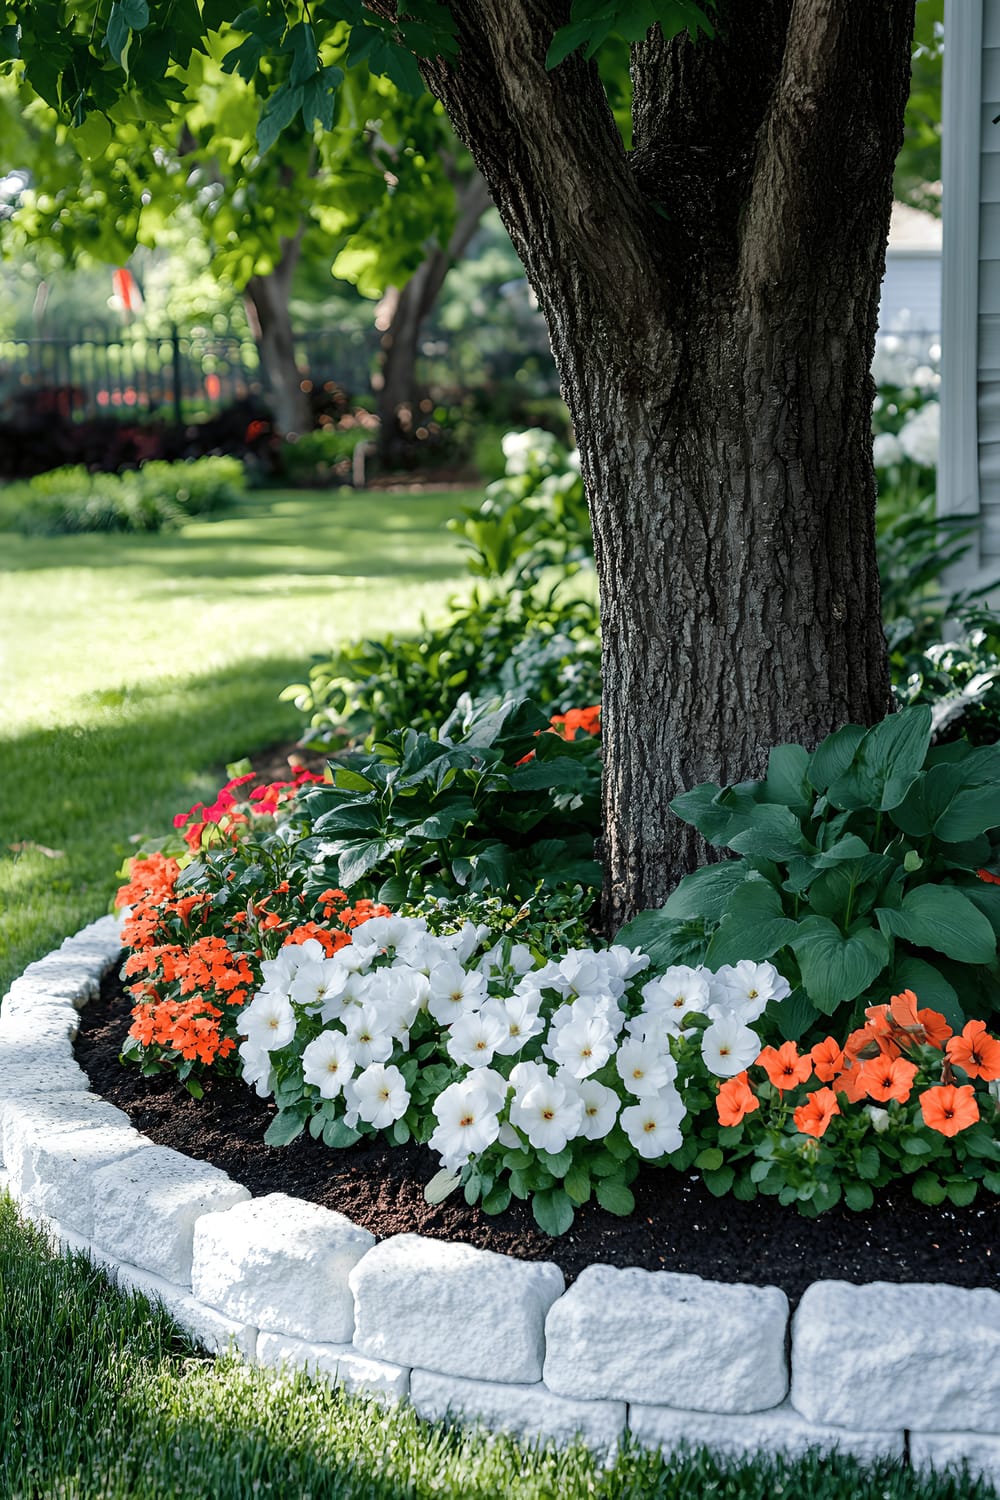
x=542, y=1080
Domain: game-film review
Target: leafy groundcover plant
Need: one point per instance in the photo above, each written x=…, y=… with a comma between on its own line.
x=543, y=1065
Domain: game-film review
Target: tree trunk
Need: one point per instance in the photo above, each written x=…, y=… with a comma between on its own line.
x=270, y=321
x=712, y=301
x=398, y=397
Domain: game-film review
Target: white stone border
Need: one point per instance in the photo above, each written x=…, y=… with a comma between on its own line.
x=675, y=1360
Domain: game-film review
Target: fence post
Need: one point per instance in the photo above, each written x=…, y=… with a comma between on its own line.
x=178, y=375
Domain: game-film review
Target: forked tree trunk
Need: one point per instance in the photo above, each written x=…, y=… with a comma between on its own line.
x=399, y=396
x=267, y=304
x=712, y=301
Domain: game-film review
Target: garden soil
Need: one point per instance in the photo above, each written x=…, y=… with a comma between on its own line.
x=677, y=1224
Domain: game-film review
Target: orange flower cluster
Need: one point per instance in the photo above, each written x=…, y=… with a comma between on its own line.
x=190, y=1028
x=587, y=719
x=872, y=1065
x=230, y=812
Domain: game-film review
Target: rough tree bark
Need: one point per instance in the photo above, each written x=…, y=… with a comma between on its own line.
x=712, y=300
x=266, y=299
x=399, y=396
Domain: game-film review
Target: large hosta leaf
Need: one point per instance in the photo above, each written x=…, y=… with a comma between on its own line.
x=836, y=968
x=942, y=918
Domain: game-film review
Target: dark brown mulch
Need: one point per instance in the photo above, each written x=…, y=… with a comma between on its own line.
x=677, y=1224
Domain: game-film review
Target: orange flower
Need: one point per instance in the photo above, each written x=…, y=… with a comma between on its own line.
x=975, y=1052
x=827, y=1058
x=936, y=1028
x=814, y=1116
x=851, y=1082
x=735, y=1099
x=784, y=1066
x=988, y=877
x=886, y=1078
x=948, y=1109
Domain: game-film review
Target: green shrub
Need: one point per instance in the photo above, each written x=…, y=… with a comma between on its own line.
x=157, y=496
x=323, y=456
x=857, y=874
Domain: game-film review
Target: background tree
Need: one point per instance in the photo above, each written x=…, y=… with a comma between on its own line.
x=712, y=300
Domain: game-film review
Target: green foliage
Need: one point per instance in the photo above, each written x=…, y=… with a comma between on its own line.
x=419, y=817
x=959, y=679
x=156, y=497
x=592, y=22
x=856, y=873
x=321, y=456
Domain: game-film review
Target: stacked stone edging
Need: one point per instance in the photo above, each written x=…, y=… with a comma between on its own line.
x=673, y=1359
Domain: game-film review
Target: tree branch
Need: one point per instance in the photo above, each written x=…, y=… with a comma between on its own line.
x=833, y=128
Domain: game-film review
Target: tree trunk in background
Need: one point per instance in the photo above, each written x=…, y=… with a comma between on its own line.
x=267, y=299
x=712, y=300
x=398, y=396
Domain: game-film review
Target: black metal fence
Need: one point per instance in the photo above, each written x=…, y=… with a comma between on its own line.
x=177, y=374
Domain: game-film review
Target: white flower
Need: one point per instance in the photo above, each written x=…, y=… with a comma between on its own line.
x=727, y=1047
x=581, y=1047
x=397, y=996
x=548, y=1113
x=268, y=1021
x=279, y=972
x=346, y=994
x=600, y=1108
x=474, y=1038
x=524, y=1074
x=314, y=983
x=328, y=1063
x=879, y=1118
x=379, y=934
x=519, y=1017
x=887, y=450
x=466, y=940
x=256, y=1068
x=454, y=991
x=521, y=960
x=585, y=972
x=378, y=1095
x=644, y=1068
x=423, y=951
x=677, y=991
x=468, y=1121
x=743, y=990
x=369, y=1042
x=919, y=435
x=626, y=962
x=653, y=1125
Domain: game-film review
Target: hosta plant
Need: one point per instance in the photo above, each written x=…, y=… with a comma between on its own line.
x=861, y=870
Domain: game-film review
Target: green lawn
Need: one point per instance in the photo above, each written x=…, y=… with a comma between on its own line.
x=133, y=667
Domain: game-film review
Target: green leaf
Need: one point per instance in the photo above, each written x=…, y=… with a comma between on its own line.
x=577, y=1183
x=754, y=927
x=279, y=111
x=710, y=1159
x=705, y=893
x=719, y=1181
x=942, y=918
x=916, y=1145
x=886, y=762
x=557, y=1163
x=356, y=861
x=858, y=1196
x=868, y=1162
x=553, y=1211
x=928, y=1188
x=351, y=781
x=285, y=1126
x=962, y=1191
x=832, y=757
x=497, y=1199
x=614, y=1197
x=441, y=1185
x=338, y=1135
x=835, y=968
x=795, y=1015
x=788, y=778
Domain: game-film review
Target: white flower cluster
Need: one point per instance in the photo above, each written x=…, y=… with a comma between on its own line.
x=599, y=1052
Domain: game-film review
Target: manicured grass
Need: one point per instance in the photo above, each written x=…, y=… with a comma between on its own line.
x=102, y=1399
x=131, y=665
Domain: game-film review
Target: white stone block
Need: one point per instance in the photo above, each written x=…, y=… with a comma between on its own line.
x=71, y=978
x=950, y=1451
x=530, y=1412
x=214, y=1332
x=146, y=1207
x=24, y=1118
x=40, y=1070
x=781, y=1430
x=338, y=1363
x=24, y=1007
x=922, y=1357
x=666, y=1339
x=50, y=1023
x=282, y=1265
x=99, y=942
x=454, y=1309
x=56, y=1170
